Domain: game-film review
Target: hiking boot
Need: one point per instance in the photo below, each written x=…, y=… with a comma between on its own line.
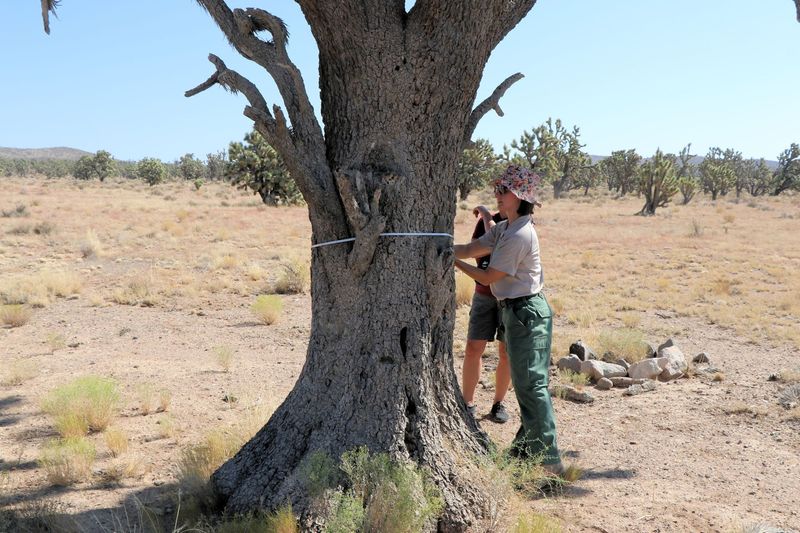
x=499, y=413
x=472, y=409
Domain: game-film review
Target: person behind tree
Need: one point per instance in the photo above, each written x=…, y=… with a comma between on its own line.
x=515, y=278
x=484, y=325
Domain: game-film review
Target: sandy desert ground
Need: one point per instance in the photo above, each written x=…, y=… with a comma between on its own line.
x=156, y=287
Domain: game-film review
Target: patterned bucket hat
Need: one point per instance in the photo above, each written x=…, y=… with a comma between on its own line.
x=523, y=182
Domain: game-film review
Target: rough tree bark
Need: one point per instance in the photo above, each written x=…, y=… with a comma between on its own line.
x=397, y=90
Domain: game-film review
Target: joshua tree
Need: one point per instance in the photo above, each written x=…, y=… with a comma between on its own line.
x=256, y=166
x=477, y=164
x=554, y=152
x=716, y=174
x=787, y=175
x=657, y=182
x=621, y=170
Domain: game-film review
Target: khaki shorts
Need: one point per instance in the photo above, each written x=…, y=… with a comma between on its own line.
x=484, y=319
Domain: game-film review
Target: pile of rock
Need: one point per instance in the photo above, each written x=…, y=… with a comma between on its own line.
x=664, y=363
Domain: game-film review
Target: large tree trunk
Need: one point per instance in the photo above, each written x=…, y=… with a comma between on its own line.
x=397, y=90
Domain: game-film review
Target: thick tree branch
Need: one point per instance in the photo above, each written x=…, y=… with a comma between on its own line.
x=240, y=27
x=492, y=102
x=797, y=4
x=48, y=6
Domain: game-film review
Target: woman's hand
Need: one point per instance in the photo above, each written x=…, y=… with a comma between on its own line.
x=482, y=211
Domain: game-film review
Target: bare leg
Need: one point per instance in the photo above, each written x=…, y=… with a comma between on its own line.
x=472, y=368
x=502, y=374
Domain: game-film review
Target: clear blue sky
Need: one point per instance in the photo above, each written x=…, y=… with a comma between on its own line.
x=631, y=73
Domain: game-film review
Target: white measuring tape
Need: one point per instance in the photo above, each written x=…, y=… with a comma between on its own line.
x=393, y=234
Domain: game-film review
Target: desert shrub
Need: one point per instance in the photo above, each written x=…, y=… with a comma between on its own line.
x=396, y=497
x=295, y=277
x=789, y=397
x=267, y=308
x=224, y=357
x=465, y=287
x=15, y=315
x=67, y=461
x=88, y=403
x=18, y=371
x=346, y=513
x=117, y=441
x=319, y=473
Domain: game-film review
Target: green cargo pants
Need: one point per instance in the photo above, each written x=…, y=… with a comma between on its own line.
x=528, y=332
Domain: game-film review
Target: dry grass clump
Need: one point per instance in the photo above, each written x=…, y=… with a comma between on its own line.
x=535, y=523
x=15, y=315
x=90, y=246
x=267, y=308
x=40, y=289
x=789, y=376
x=18, y=371
x=295, y=278
x=55, y=342
x=199, y=461
x=465, y=288
x=224, y=355
x=145, y=393
x=166, y=427
x=557, y=305
x=21, y=210
x=88, y=403
x=226, y=262
x=117, y=441
x=164, y=399
x=576, y=379
x=67, y=461
x=622, y=343
x=126, y=467
x=140, y=290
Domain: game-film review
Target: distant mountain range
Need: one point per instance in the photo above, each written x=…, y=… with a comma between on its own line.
x=60, y=152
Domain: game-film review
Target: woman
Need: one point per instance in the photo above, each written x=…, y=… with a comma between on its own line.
x=515, y=278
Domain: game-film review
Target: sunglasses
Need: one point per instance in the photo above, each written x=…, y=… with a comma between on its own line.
x=500, y=189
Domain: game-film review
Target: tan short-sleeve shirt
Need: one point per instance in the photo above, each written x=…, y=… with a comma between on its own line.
x=515, y=251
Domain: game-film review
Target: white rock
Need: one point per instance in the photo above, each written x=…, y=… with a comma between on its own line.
x=600, y=369
x=647, y=368
x=571, y=362
x=604, y=384
x=676, y=363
